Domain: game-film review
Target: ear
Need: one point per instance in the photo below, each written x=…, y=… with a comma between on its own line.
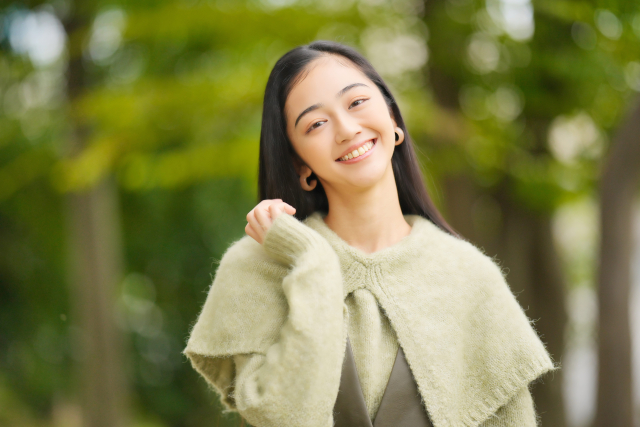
x=298, y=164
x=398, y=130
x=301, y=168
x=304, y=171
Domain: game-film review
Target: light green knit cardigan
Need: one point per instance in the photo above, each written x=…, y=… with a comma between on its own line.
x=271, y=336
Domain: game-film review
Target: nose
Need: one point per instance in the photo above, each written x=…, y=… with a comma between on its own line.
x=347, y=127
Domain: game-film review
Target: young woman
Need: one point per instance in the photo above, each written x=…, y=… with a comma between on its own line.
x=350, y=301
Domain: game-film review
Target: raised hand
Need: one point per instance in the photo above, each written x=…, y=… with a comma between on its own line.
x=263, y=215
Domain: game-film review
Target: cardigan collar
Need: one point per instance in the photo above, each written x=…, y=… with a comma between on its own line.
x=403, y=248
x=355, y=263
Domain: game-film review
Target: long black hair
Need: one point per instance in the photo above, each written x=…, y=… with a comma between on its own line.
x=277, y=177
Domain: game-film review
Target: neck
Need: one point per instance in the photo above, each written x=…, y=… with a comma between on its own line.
x=370, y=219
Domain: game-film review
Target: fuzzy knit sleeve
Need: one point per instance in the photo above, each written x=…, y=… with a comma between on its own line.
x=270, y=336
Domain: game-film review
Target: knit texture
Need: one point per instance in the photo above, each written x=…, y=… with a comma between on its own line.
x=374, y=346
x=271, y=335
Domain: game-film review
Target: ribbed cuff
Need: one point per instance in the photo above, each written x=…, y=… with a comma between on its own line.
x=288, y=238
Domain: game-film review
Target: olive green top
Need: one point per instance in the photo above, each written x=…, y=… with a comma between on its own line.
x=271, y=336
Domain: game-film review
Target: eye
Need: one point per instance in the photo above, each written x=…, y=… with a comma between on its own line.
x=357, y=102
x=315, y=125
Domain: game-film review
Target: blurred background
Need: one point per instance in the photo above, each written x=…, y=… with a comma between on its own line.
x=128, y=162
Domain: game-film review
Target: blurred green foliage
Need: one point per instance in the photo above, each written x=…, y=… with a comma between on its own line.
x=171, y=107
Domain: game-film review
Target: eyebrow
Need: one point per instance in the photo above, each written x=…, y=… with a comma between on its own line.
x=338, y=95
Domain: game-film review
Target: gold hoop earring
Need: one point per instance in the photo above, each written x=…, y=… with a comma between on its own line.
x=399, y=135
x=305, y=185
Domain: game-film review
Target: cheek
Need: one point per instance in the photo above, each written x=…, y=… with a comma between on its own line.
x=381, y=117
x=316, y=153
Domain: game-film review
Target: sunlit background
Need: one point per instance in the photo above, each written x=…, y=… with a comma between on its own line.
x=128, y=161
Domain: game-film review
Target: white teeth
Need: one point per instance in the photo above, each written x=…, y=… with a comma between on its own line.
x=360, y=151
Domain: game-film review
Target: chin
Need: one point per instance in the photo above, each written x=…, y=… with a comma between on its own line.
x=367, y=181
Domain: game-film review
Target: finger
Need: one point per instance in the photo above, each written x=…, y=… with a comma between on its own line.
x=264, y=219
x=255, y=225
x=276, y=210
x=251, y=233
x=264, y=205
x=266, y=202
x=287, y=208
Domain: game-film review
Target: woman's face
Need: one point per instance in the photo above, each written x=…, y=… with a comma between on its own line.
x=335, y=110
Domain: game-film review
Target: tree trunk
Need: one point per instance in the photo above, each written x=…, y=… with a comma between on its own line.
x=96, y=270
x=618, y=186
x=95, y=251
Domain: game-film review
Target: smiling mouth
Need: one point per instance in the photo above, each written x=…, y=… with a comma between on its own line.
x=359, y=151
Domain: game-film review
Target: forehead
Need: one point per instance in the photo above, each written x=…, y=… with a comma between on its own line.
x=321, y=80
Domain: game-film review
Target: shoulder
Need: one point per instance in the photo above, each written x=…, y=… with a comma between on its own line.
x=456, y=256
x=242, y=251
x=246, y=256
x=245, y=274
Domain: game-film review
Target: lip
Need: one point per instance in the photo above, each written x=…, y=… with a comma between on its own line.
x=355, y=146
